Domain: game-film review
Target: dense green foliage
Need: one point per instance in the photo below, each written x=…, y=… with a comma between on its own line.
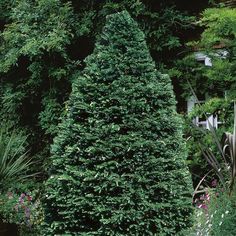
x=219, y=36
x=118, y=161
x=216, y=81
x=42, y=43
x=34, y=67
x=161, y=21
x=42, y=47
x=220, y=29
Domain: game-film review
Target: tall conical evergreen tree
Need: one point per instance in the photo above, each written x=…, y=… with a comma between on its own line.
x=118, y=162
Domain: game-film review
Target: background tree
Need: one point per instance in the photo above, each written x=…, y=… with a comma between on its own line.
x=118, y=162
x=217, y=82
x=34, y=67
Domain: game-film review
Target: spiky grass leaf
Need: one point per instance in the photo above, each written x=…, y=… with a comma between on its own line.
x=14, y=164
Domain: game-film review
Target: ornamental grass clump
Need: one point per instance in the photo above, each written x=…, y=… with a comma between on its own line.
x=118, y=161
x=15, y=165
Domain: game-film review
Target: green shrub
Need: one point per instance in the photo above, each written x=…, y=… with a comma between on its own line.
x=118, y=161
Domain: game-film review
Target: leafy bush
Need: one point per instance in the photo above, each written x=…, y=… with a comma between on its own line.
x=118, y=161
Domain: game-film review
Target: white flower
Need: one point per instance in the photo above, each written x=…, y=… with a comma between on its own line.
x=227, y=212
x=222, y=216
x=199, y=213
x=220, y=223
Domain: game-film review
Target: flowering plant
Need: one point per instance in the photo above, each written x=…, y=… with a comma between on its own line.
x=215, y=212
x=23, y=209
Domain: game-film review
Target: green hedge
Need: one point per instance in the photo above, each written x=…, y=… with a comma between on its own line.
x=118, y=162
